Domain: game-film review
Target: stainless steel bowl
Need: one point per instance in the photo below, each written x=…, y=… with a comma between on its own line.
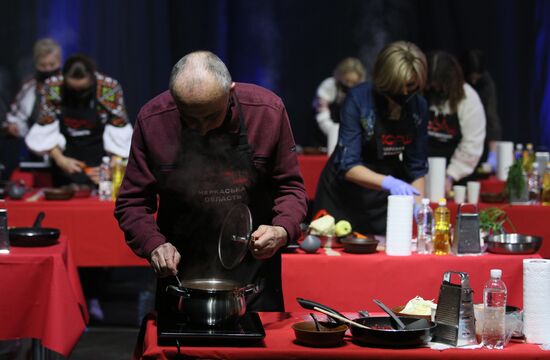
x=513, y=244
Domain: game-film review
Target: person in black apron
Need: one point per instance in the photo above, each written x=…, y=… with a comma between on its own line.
x=212, y=170
x=82, y=118
x=331, y=94
x=457, y=121
x=380, y=121
x=25, y=108
x=199, y=202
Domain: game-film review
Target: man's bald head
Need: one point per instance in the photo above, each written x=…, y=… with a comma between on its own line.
x=199, y=78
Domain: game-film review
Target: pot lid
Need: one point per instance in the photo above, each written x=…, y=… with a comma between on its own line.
x=235, y=236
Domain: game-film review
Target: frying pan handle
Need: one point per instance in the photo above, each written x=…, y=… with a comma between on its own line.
x=311, y=305
x=38, y=220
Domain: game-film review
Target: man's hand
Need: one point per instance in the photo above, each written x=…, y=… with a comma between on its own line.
x=69, y=165
x=165, y=259
x=267, y=240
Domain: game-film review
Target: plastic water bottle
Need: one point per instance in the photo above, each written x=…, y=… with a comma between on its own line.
x=105, y=184
x=494, y=312
x=442, y=229
x=534, y=184
x=424, y=223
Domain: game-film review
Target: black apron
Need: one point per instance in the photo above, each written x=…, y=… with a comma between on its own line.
x=83, y=130
x=444, y=135
x=213, y=173
x=366, y=208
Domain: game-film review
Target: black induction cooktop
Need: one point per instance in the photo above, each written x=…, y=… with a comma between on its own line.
x=172, y=330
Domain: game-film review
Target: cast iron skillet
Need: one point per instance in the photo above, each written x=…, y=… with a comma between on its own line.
x=380, y=332
x=35, y=235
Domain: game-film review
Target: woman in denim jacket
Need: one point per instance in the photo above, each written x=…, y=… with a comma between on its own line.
x=382, y=144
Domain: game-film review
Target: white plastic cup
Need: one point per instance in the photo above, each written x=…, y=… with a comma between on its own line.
x=460, y=193
x=473, y=188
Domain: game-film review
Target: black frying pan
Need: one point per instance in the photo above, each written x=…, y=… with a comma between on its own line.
x=380, y=331
x=35, y=235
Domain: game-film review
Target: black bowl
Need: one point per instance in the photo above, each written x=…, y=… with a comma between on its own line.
x=358, y=245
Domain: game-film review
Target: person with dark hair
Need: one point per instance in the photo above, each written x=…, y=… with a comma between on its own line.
x=382, y=144
x=202, y=148
x=475, y=73
x=456, y=127
x=331, y=94
x=82, y=118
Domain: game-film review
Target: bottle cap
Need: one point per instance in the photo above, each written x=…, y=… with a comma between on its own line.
x=496, y=273
x=106, y=159
x=442, y=202
x=425, y=201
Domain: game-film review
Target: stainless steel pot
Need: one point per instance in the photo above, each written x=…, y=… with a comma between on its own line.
x=210, y=302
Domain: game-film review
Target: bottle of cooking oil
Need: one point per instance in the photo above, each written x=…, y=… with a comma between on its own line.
x=118, y=174
x=528, y=158
x=545, y=197
x=442, y=233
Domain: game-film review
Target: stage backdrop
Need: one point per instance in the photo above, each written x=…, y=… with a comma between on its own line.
x=289, y=46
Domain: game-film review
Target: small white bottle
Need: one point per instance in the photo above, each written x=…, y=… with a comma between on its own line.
x=424, y=223
x=105, y=184
x=494, y=311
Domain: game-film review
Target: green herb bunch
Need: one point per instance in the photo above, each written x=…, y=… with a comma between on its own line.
x=516, y=180
x=492, y=221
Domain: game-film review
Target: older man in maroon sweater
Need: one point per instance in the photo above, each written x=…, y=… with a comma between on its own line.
x=197, y=151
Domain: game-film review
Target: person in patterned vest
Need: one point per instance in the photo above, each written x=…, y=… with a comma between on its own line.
x=82, y=118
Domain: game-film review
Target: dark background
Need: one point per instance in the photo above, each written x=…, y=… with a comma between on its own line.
x=289, y=46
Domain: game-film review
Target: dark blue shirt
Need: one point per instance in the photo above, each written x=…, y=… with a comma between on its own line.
x=358, y=119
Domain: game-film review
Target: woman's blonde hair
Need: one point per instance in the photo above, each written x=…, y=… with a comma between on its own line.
x=348, y=65
x=397, y=64
x=44, y=47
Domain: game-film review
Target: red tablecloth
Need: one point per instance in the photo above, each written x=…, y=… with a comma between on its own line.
x=527, y=219
x=279, y=344
x=41, y=297
x=89, y=224
x=97, y=240
x=350, y=281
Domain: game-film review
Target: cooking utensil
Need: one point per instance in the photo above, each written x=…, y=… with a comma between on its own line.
x=315, y=321
x=455, y=316
x=466, y=236
x=357, y=245
x=35, y=235
x=419, y=323
x=390, y=313
x=513, y=244
x=235, y=236
x=307, y=334
x=210, y=302
x=64, y=193
x=376, y=331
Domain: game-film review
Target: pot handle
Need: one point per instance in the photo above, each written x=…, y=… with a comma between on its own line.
x=251, y=289
x=174, y=290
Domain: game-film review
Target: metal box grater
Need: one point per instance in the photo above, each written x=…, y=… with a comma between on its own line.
x=455, y=312
x=466, y=237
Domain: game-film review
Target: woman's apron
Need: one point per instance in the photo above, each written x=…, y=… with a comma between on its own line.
x=366, y=208
x=83, y=130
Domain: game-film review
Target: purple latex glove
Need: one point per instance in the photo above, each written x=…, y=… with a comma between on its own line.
x=398, y=187
x=492, y=160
